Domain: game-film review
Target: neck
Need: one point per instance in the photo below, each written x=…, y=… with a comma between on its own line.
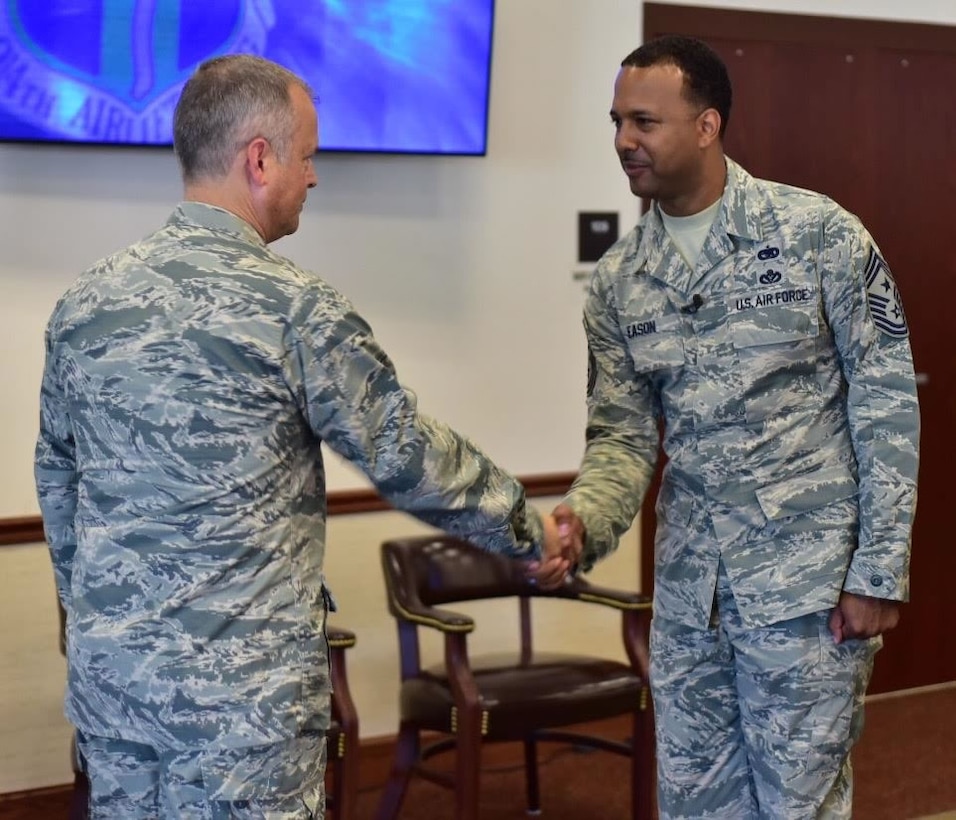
x=223, y=193
x=708, y=188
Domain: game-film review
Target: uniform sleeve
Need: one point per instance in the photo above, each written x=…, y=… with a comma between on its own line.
x=55, y=475
x=350, y=394
x=870, y=331
x=621, y=440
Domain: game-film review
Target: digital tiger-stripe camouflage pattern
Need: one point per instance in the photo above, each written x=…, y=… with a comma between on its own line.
x=791, y=422
x=189, y=383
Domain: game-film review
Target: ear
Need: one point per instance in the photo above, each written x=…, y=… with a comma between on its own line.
x=258, y=155
x=708, y=127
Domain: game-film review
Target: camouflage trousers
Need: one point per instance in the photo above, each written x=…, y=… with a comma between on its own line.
x=756, y=723
x=132, y=781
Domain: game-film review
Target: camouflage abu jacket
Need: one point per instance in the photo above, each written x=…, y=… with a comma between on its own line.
x=189, y=382
x=781, y=370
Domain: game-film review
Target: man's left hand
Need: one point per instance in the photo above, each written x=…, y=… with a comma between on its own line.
x=859, y=616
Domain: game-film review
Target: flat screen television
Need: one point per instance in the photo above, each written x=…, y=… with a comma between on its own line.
x=393, y=76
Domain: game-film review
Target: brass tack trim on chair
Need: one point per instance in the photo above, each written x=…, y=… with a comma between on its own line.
x=485, y=721
x=644, y=693
x=432, y=622
x=600, y=599
x=341, y=750
x=343, y=643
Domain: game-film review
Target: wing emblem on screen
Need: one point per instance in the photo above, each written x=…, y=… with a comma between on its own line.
x=111, y=70
x=395, y=76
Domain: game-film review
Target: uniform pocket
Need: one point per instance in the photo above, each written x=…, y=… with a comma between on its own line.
x=275, y=771
x=777, y=347
x=655, y=343
x=811, y=531
x=807, y=492
x=784, y=316
x=838, y=713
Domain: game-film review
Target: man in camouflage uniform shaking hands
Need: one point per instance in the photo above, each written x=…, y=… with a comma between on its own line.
x=759, y=325
x=189, y=382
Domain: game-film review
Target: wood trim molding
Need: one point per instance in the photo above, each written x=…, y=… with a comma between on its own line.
x=377, y=754
x=29, y=529
x=25, y=530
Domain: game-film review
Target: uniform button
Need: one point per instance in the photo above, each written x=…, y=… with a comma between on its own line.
x=876, y=581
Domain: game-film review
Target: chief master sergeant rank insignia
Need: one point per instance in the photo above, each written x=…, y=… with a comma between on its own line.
x=883, y=298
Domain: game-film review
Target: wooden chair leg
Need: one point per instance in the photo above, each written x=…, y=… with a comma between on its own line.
x=342, y=770
x=643, y=779
x=407, y=752
x=346, y=784
x=468, y=767
x=532, y=787
x=79, y=802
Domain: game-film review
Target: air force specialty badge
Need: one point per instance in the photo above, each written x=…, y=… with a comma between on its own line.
x=883, y=298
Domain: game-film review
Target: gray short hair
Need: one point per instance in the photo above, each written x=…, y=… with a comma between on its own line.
x=228, y=102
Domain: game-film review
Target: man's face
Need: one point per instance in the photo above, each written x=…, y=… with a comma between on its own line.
x=295, y=173
x=656, y=134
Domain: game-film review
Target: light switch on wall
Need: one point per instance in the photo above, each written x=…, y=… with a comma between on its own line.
x=597, y=231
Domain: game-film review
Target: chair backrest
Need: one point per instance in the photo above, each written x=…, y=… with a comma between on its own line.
x=443, y=569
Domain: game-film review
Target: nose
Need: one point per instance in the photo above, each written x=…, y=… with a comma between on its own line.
x=626, y=138
x=312, y=180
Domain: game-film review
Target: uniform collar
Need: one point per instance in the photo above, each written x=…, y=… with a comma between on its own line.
x=739, y=217
x=214, y=218
x=742, y=205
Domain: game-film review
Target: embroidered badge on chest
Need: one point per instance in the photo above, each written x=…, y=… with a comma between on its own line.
x=883, y=298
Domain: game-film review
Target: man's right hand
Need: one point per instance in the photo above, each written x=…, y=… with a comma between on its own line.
x=552, y=570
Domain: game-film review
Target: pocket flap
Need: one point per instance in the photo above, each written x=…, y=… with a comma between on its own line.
x=774, y=323
x=655, y=342
x=807, y=492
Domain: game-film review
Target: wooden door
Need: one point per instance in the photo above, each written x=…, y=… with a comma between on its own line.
x=863, y=111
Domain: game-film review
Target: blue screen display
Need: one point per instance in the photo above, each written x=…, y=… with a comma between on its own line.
x=390, y=75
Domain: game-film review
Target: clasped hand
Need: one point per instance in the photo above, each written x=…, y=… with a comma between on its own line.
x=859, y=616
x=561, y=550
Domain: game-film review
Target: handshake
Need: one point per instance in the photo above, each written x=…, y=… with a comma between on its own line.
x=561, y=548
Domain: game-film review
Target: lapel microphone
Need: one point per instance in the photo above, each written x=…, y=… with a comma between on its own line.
x=695, y=304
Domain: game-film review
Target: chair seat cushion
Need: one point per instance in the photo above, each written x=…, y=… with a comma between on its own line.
x=550, y=690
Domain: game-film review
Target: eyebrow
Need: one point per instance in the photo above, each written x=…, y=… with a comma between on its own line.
x=632, y=112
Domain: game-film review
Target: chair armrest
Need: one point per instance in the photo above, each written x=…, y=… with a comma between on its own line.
x=583, y=590
x=444, y=620
x=339, y=638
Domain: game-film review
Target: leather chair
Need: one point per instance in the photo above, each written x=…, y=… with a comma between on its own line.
x=342, y=737
x=527, y=697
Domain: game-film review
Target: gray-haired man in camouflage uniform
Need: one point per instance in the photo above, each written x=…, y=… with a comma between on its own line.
x=190, y=380
x=760, y=324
